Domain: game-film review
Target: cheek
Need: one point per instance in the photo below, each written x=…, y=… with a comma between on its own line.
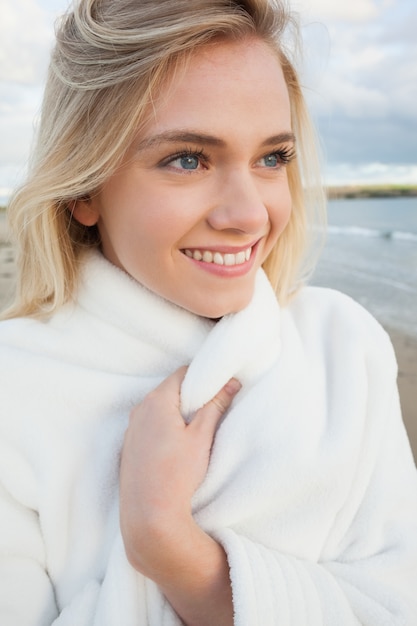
x=168, y=218
x=281, y=213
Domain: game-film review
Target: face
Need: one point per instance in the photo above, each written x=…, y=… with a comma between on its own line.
x=202, y=194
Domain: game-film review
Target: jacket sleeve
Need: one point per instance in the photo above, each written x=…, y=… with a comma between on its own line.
x=367, y=572
x=27, y=594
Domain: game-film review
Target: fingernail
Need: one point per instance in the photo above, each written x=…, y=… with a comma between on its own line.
x=233, y=386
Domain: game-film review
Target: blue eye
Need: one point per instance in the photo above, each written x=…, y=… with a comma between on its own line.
x=188, y=162
x=279, y=158
x=271, y=160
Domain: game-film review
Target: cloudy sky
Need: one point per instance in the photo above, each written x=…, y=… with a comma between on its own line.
x=360, y=78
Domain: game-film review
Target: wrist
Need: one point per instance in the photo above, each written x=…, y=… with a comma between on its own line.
x=199, y=587
x=189, y=567
x=161, y=544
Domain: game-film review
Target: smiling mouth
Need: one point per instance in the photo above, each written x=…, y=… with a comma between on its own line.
x=207, y=256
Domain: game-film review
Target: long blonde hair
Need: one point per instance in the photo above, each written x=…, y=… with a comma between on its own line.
x=109, y=59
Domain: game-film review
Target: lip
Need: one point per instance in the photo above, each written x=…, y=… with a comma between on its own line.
x=225, y=270
x=224, y=249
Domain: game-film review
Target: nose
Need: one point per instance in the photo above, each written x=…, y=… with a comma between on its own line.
x=239, y=204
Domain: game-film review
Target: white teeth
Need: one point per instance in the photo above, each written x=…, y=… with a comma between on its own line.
x=219, y=259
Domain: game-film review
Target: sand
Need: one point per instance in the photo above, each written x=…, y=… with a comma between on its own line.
x=405, y=346
x=406, y=351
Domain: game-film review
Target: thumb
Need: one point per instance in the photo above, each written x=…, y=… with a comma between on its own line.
x=209, y=415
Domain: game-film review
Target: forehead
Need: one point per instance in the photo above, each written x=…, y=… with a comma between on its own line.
x=224, y=78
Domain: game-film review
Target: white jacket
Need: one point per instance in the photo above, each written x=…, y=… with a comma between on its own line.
x=311, y=487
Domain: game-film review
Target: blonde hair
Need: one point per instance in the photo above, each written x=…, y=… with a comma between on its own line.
x=109, y=59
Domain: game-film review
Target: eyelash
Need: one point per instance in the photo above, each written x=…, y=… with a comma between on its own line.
x=284, y=156
x=183, y=154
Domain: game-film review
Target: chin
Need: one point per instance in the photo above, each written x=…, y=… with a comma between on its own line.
x=216, y=311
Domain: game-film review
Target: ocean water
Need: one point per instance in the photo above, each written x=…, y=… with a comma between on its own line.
x=371, y=254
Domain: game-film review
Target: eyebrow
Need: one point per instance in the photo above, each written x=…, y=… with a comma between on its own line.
x=188, y=136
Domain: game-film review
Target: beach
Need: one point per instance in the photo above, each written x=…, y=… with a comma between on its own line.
x=405, y=344
x=7, y=265
x=406, y=350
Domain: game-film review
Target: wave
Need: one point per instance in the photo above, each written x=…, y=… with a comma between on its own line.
x=357, y=231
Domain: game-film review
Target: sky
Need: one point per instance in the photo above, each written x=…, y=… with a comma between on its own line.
x=359, y=75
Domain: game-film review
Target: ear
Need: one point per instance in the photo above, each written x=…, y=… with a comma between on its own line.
x=85, y=211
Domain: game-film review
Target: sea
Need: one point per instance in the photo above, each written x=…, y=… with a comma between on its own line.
x=371, y=254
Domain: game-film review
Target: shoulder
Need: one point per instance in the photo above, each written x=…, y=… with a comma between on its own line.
x=22, y=344
x=13, y=332
x=337, y=324
x=329, y=308
x=24, y=339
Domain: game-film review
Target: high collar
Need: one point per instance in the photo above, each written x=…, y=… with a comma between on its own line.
x=155, y=336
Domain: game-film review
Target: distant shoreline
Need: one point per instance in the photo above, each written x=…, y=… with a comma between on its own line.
x=371, y=191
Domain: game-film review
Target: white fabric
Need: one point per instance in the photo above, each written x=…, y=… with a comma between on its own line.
x=311, y=487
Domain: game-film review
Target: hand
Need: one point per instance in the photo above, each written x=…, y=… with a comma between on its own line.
x=164, y=460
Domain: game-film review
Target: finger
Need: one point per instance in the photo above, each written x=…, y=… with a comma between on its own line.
x=169, y=389
x=173, y=381
x=209, y=415
x=164, y=400
x=223, y=399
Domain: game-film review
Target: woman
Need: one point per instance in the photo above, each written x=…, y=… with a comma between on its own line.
x=264, y=475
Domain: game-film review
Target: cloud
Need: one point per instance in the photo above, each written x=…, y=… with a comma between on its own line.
x=371, y=174
x=19, y=106
x=352, y=11
x=363, y=89
x=368, y=140
x=26, y=36
x=354, y=101
x=25, y=39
